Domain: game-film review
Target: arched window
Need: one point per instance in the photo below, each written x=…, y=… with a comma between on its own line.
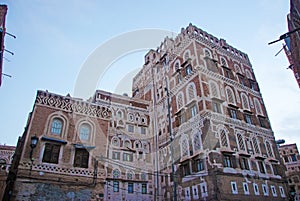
x=248, y=74
x=184, y=145
x=207, y=53
x=230, y=95
x=130, y=175
x=127, y=144
x=119, y=114
x=56, y=126
x=245, y=101
x=214, y=89
x=186, y=55
x=241, y=142
x=237, y=69
x=224, y=62
x=224, y=142
x=191, y=92
x=137, y=144
x=257, y=106
x=180, y=102
x=269, y=149
x=116, y=173
x=176, y=65
x=115, y=141
x=197, y=144
x=85, y=132
x=255, y=145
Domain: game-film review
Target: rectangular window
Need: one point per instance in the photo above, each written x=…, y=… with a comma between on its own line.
x=203, y=188
x=143, y=130
x=244, y=163
x=179, y=78
x=281, y=189
x=216, y=107
x=294, y=158
x=256, y=190
x=185, y=169
x=130, y=188
x=188, y=70
x=130, y=128
x=81, y=158
x=51, y=153
x=187, y=193
x=127, y=157
x=144, y=188
x=261, y=167
x=234, y=188
x=265, y=189
x=233, y=113
x=181, y=117
x=248, y=118
x=262, y=122
x=116, y=155
x=246, y=189
x=193, y=110
x=274, y=192
x=116, y=186
x=227, y=161
x=200, y=165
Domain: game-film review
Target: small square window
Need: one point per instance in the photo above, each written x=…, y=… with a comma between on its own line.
x=130, y=128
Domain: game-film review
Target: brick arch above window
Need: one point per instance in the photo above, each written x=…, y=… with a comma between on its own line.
x=214, y=89
x=223, y=61
x=184, y=146
x=248, y=74
x=207, y=53
x=180, y=100
x=223, y=136
x=230, y=95
x=176, y=65
x=85, y=131
x=257, y=105
x=245, y=101
x=191, y=91
x=57, y=125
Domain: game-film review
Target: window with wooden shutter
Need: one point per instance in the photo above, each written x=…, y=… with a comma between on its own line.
x=81, y=158
x=51, y=153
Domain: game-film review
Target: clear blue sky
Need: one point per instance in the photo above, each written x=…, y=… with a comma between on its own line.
x=54, y=39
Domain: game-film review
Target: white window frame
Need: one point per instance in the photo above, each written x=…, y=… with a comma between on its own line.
x=195, y=192
x=204, y=193
x=273, y=190
x=246, y=188
x=255, y=192
x=187, y=193
x=282, y=193
x=265, y=190
x=233, y=184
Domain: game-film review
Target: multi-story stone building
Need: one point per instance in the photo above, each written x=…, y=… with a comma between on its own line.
x=196, y=128
x=6, y=156
x=292, y=48
x=291, y=159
